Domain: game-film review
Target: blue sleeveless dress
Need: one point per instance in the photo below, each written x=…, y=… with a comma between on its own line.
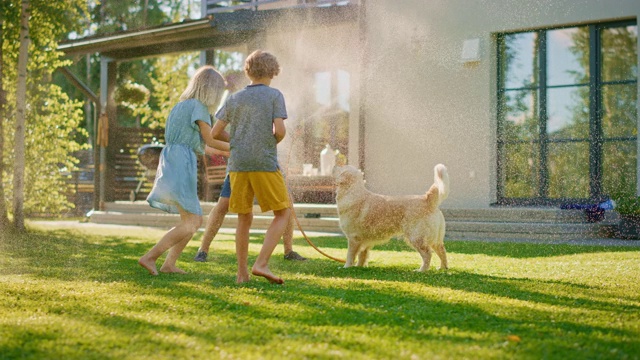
x=176, y=182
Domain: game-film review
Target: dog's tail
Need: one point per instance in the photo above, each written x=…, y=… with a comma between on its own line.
x=440, y=187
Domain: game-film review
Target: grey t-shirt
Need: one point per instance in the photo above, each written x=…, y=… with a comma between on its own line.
x=250, y=113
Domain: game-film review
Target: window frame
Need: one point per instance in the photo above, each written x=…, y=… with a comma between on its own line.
x=595, y=138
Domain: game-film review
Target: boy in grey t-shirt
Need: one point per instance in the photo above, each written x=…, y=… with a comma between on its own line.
x=256, y=117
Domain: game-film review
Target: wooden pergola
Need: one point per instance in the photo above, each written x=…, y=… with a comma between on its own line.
x=219, y=30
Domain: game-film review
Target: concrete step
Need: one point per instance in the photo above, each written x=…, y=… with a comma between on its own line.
x=164, y=220
x=520, y=215
x=539, y=231
x=142, y=207
x=493, y=223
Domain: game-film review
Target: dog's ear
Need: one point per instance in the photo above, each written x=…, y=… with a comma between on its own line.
x=337, y=170
x=340, y=170
x=350, y=175
x=344, y=176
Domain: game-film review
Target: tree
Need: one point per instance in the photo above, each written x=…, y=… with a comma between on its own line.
x=21, y=93
x=167, y=87
x=109, y=16
x=51, y=118
x=3, y=99
x=170, y=78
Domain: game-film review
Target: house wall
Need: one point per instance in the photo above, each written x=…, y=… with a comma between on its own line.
x=424, y=106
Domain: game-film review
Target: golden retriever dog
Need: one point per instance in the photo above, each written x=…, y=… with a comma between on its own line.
x=369, y=219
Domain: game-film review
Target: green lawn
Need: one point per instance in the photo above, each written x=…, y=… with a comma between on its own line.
x=79, y=294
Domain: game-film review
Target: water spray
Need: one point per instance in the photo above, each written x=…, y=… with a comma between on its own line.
x=294, y=212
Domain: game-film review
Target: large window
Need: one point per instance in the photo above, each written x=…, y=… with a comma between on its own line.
x=326, y=119
x=567, y=113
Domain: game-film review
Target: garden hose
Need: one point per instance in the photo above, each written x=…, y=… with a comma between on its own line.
x=293, y=212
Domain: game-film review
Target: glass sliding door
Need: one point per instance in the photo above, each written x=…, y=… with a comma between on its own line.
x=567, y=117
x=618, y=113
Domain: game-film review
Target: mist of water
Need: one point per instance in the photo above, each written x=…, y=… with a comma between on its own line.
x=422, y=104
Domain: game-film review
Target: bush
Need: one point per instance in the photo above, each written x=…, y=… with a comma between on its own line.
x=628, y=205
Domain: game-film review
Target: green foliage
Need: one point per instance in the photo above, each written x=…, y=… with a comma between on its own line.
x=111, y=16
x=114, y=16
x=627, y=204
x=229, y=62
x=131, y=95
x=170, y=77
x=78, y=293
x=52, y=119
x=169, y=80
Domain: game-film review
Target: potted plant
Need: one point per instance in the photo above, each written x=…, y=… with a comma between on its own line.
x=628, y=206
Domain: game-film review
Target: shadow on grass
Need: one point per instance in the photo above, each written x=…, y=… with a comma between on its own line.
x=504, y=249
x=364, y=306
x=524, y=250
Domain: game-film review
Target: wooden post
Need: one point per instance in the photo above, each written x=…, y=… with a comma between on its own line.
x=107, y=120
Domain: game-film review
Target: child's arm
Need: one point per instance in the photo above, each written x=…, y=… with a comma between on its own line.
x=218, y=132
x=213, y=151
x=205, y=131
x=279, y=131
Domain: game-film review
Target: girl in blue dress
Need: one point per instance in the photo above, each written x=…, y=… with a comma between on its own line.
x=187, y=134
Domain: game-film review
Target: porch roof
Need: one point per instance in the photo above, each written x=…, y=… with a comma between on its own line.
x=218, y=30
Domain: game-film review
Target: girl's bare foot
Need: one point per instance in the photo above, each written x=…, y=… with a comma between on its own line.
x=149, y=265
x=266, y=273
x=171, y=270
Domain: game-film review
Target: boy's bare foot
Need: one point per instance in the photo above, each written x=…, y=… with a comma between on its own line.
x=265, y=273
x=149, y=265
x=242, y=278
x=171, y=270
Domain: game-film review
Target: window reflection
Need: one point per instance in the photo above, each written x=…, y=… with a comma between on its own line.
x=521, y=165
x=344, y=87
x=520, y=51
x=620, y=161
x=521, y=118
x=568, y=56
x=568, y=113
x=620, y=112
x=619, y=53
x=568, y=170
x=327, y=118
x=322, y=86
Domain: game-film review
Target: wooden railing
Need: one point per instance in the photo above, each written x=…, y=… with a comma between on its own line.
x=128, y=170
x=210, y=7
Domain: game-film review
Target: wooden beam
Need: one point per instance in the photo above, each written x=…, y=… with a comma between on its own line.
x=79, y=85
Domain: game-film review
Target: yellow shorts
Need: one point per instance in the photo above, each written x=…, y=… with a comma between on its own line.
x=268, y=187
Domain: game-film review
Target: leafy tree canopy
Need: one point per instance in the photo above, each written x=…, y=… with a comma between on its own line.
x=52, y=118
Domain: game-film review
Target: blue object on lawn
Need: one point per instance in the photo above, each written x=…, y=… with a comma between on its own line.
x=607, y=205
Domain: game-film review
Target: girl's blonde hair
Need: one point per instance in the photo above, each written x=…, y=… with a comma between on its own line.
x=260, y=64
x=206, y=85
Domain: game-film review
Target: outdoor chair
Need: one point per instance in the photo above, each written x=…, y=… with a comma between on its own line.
x=215, y=170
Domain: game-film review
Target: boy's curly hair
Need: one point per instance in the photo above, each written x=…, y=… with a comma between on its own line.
x=261, y=64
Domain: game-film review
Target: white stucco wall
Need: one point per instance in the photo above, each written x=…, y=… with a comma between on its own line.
x=423, y=106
